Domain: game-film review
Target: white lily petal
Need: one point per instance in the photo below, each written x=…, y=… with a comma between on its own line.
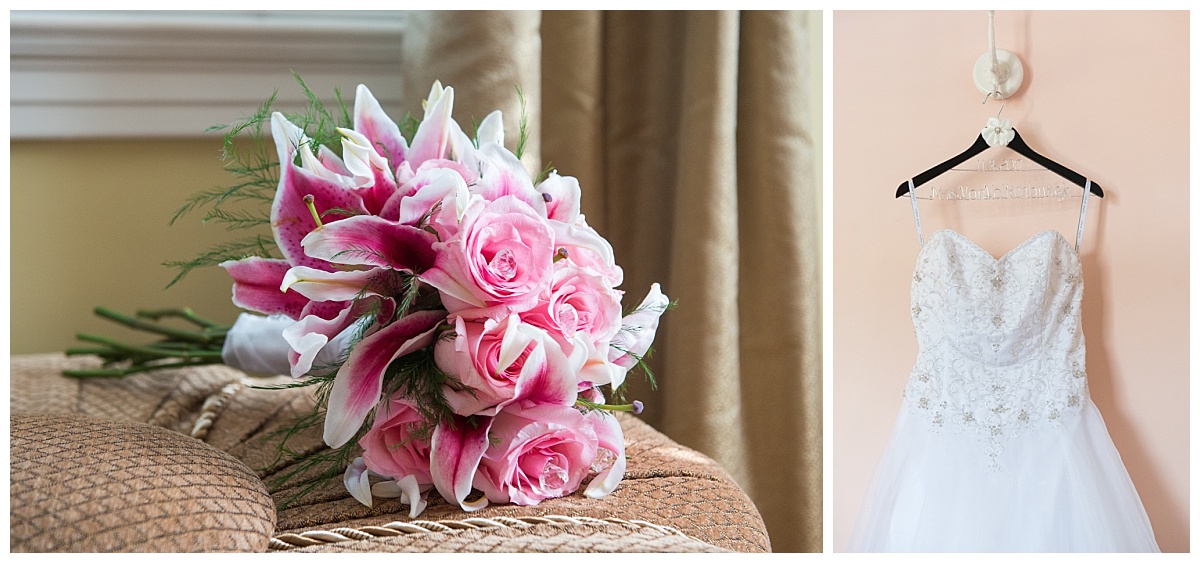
x=320, y=285
x=287, y=136
x=514, y=342
x=491, y=129
x=412, y=495
x=332, y=161
x=361, y=159
x=638, y=329
x=435, y=94
x=478, y=504
x=310, y=162
x=356, y=481
x=308, y=346
x=497, y=155
x=462, y=148
x=581, y=349
x=606, y=481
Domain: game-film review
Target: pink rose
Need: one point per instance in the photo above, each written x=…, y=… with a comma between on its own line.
x=500, y=260
x=577, y=302
x=502, y=362
x=395, y=446
x=537, y=453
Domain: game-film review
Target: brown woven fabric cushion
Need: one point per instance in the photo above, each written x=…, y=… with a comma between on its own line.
x=665, y=483
x=87, y=484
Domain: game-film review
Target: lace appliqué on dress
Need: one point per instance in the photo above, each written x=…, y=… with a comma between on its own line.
x=1002, y=351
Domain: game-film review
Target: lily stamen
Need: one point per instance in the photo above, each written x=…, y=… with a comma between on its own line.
x=312, y=208
x=635, y=407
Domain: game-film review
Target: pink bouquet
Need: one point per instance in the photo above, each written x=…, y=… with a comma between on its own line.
x=461, y=316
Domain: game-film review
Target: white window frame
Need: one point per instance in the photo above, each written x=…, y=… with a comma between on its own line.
x=133, y=74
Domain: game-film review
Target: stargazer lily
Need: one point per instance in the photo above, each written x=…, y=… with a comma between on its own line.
x=359, y=383
x=455, y=452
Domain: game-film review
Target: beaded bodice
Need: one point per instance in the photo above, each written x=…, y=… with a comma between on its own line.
x=1001, y=345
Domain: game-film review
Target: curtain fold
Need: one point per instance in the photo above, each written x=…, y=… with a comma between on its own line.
x=704, y=410
x=779, y=228
x=692, y=138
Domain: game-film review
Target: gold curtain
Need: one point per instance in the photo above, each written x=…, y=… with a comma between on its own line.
x=693, y=138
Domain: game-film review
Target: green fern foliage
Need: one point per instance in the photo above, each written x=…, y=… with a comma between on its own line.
x=250, y=156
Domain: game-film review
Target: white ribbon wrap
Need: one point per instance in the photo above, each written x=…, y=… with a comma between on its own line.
x=255, y=345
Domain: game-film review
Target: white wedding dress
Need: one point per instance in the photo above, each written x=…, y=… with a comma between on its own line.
x=998, y=447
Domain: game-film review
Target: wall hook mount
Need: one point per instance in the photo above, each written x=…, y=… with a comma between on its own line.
x=1002, y=80
x=998, y=73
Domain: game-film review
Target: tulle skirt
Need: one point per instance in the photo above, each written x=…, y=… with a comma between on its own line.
x=1055, y=489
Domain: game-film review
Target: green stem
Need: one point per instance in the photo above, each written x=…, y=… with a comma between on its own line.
x=91, y=352
x=217, y=332
x=184, y=313
x=150, y=350
x=152, y=327
x=635, y=407
x=173, y=345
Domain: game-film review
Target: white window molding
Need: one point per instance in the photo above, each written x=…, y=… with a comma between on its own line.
x=173, y=74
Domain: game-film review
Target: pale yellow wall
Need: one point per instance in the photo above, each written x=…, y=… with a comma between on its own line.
x=89, y=227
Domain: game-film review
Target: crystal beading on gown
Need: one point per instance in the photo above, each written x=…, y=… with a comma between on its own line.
x=998, y=446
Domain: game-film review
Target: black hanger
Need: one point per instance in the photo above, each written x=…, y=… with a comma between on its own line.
x=1016, y=144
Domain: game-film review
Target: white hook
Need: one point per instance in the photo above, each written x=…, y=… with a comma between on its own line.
x=998, y=73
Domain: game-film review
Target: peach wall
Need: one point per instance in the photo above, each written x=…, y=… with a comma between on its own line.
x=1106, y=94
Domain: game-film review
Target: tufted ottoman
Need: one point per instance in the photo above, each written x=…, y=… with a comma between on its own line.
x=180, y=460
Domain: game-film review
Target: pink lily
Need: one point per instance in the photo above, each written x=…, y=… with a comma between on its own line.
x=291, y=219
x=359, y=382
x=457, y=447
x=367, y=240
x=433, y=135
x=256, y=284
x=503, y=175
x=321, y=285
x=329, y=324
x=373, y=177
x=308, y=336
x=378, y=128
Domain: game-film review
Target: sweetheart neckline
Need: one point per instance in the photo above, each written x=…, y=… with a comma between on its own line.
x=979, y=249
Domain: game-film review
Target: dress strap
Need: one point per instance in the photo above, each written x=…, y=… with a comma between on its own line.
x=1087, y=190
x=912, y=195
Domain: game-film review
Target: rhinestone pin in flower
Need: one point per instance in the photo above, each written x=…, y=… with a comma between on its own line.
x=998, y=132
